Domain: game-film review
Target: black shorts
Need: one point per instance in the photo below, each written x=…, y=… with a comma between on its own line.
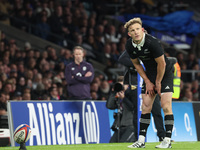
x=166, y=84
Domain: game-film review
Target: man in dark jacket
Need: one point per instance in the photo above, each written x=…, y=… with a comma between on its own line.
x=122, y=98
x=79, y=74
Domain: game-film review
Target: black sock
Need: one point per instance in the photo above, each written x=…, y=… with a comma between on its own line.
x=144, y=123
x=169, y=122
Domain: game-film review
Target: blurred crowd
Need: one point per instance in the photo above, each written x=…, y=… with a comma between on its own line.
x=30, y=74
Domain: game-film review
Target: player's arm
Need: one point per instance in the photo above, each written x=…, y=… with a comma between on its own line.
x=160, y=72
x=88, y=77
x=69, y=77
x=149, y=85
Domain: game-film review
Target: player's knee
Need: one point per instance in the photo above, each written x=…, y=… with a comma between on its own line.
x=146, y=108
x=166, y=109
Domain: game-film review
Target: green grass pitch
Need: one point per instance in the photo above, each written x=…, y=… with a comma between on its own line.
x=108, y=146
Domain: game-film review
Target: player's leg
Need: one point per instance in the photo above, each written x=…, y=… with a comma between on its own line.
x=144, y=121
x=166, y=104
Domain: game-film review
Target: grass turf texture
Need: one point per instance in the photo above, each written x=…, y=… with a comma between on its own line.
x=108, y=146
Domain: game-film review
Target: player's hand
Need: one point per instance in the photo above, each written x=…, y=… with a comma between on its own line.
x=150, y=88
x=88, y=74
x=158, y=88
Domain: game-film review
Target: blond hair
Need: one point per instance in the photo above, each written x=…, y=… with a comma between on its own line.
x=132, y=21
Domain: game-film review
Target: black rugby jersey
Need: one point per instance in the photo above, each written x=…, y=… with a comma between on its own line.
x=149, y=51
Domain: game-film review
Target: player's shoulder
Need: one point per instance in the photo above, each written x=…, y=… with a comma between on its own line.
x=128, y=43
x=86, y=63
x=71, y=64
x=151, y=39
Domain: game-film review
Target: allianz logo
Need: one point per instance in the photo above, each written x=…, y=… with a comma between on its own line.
x=90, y=123
x=51, y=128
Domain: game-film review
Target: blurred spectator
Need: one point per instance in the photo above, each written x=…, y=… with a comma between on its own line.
x=195, y=90
x=13, y=74
x=76, y=17
x=94, y=90
x=46, y=97
x=31, y=64
x=100, y=29
x=29, y=74
x=36, y=80
x=106, y=57
x=17, y=96
x=104, y=90
x=184, y=76
x=114, y=52
x=26, y=96
x=89, y=43
x=128, y=7
x=67, y=22
x=27, y=46
x=5, y=9
x=42, y=28
x=94, y=95
x=38, y=92
x=13, y=67
x=187, y=96
x=47, y=83
x=52, y=56
x=191, y=61
x=161, y=9
x=61, y=92
x=98, y=45
x=3, y=104
x=111, y=35
x=180, y=58
x=20, y=70
x=43, y=6
x=97, y=80
x=187, y=88
x=54, y=93
x=21, y=83
x=67, y=57
x=27, y=90
x=44, y=55
x=122, y=31
x=19, y=21
x=7, y=88
x=29, y=83
x=79, y=74
x=2, y=47
x=51, y=4
x=1, y=85
x=37, y=54
x=30, y=18
x=197, y=75
x=57, y=26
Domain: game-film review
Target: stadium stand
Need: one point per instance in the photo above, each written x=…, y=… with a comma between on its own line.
x=38, y=36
